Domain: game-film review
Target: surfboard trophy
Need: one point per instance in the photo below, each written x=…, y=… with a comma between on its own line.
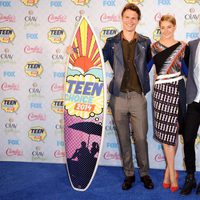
x=84, y=106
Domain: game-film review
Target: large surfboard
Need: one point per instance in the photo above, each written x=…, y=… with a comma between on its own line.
x=84, y=106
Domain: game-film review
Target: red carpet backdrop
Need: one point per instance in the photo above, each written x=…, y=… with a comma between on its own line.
x=33, y=37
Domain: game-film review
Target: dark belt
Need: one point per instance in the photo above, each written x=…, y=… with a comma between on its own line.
x=129, y=91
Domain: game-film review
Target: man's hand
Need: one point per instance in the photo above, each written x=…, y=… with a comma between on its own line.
x=69, y=50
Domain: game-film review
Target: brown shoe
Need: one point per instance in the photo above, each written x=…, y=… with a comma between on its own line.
x=127, y=184
x=147, y=182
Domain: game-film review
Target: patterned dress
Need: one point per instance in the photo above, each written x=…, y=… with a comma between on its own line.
x=169, y=92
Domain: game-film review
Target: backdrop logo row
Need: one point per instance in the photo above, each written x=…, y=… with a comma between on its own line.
x=33, y=38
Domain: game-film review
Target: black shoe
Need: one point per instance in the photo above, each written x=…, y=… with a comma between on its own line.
x=147, y=182
x=189, y=185
x=127, y=184
x=198, y=189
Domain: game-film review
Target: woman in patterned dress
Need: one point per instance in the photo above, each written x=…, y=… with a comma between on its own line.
x=169, y=95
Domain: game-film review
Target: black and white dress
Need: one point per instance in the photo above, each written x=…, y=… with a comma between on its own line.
x=169, y=92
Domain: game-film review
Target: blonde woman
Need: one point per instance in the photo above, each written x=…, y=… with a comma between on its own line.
x=169, y=95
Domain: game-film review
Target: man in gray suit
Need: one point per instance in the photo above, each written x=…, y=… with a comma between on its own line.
x=192, y=117
x=128, y=54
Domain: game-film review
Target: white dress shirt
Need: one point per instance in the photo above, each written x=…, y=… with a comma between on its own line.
x=197, y=73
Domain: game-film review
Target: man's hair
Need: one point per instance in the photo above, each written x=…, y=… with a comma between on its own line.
x=168, y=18
x=133, y=7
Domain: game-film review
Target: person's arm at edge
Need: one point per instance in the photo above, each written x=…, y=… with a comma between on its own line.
x=185, y=61
x=150, y=60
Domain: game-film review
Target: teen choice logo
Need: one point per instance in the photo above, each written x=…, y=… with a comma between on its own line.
x=108, y=32
x=10, y=105
x=191, y=1
x=156, y=34
x=37, y=134
x=56, y=35
x=135, y=1
x=6, y=34
x=33, y=69
x=84, y=96
x=57, y=106
x=29, y=2
x=81, y=2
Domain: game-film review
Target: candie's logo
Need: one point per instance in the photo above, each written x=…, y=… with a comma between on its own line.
x=59, y=153
x=9, y=86
x=57, y=106
x=57, y=87
x=6, y=34
x=81, y=2
x=37, y=134
x=57, y=18
x=36, y=116
x=135, y=1
x=109, y=18
x=159, y=158
x=158, y=16
x=56, y=35
x=111, y=156
x=156, y=34
x=35, y=49
x=33, y=69
x=10, y=105
x=14, y=152
x=6, y=18
x=29, y=2
x=108, y=32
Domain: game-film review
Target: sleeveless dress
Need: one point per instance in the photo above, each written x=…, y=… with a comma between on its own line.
x=169, y=105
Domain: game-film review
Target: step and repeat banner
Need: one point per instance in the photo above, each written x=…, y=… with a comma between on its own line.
x=34, y=35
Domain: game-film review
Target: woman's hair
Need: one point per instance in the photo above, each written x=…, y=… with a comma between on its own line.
x=168, y=18
x=133, y=7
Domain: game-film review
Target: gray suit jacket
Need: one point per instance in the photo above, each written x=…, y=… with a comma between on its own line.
x=191, y=89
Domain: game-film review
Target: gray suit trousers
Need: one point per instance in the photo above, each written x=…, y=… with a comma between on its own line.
x=131, y=108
